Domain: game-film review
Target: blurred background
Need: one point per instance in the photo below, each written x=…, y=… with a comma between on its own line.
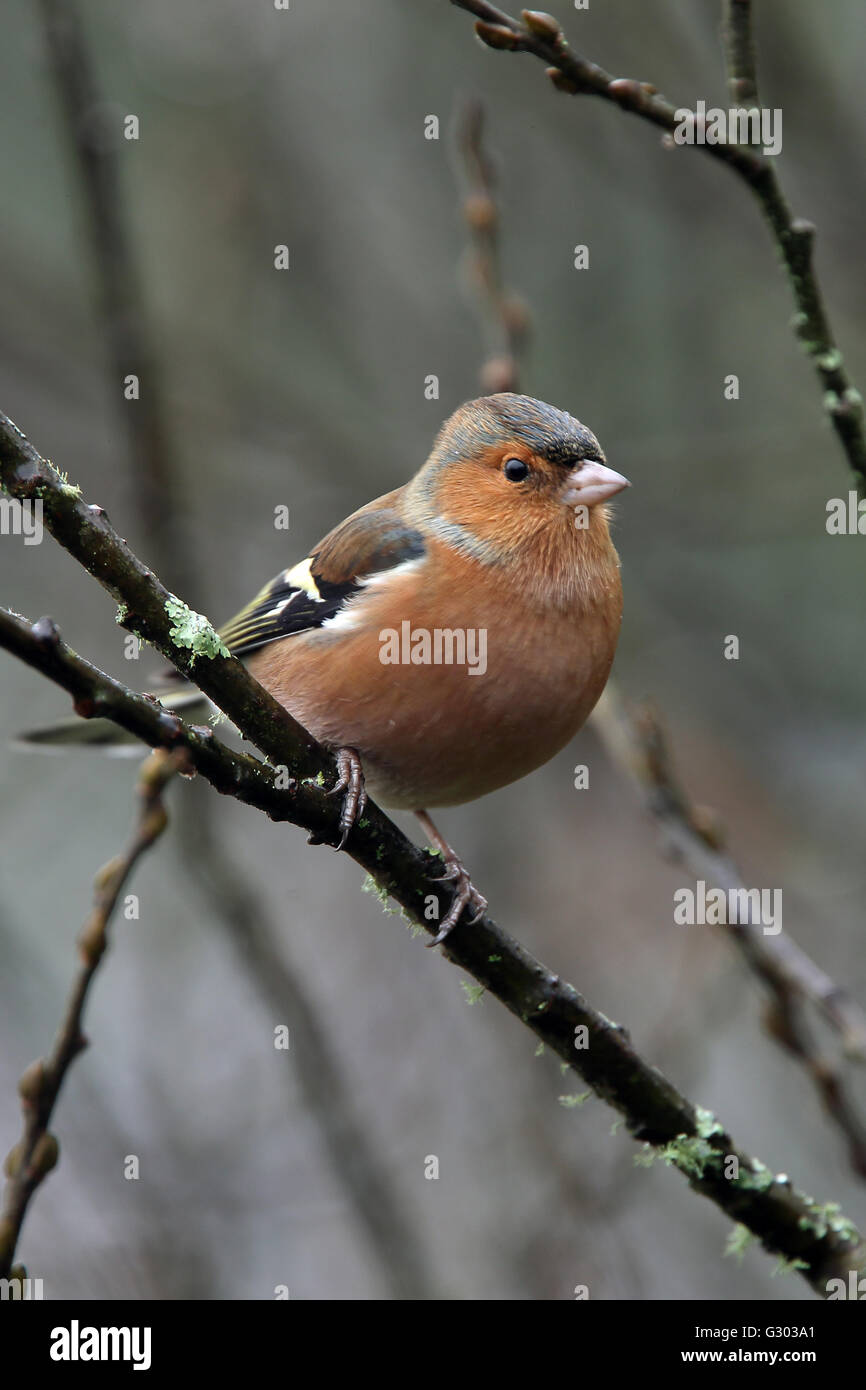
x=306, y=1168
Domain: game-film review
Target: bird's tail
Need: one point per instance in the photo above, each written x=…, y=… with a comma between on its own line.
x=103, y=733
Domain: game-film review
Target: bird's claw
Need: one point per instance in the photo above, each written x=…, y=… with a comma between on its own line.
x=350, y=780
x=465, y=895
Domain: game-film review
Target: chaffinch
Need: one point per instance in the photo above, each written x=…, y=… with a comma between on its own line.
x=455, y=634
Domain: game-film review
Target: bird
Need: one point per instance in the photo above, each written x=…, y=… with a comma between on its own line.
x=454, y=634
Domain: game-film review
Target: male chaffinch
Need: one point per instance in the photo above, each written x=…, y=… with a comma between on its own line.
x=453, y=635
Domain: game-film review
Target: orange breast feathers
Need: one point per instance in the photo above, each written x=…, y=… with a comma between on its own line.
x=453, y=679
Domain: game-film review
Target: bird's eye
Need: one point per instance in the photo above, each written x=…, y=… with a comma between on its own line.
x=515, y=470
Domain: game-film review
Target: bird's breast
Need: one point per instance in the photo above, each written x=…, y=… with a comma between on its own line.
x=448, y=689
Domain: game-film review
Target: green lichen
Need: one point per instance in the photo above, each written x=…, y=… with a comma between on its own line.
x=758, y=1178
x=494, y=959
x=738, y=1242
x=193, y=631
x=379, y=891
x=707, y=1125
x=691, y=1154
x=539, y=1051
x=824, y=1219
x=784, y=1266
x=572, y=1102
x=617, y=1124
x=829, y=361
x=122, y=613
x=68, y=489
x=473, y=993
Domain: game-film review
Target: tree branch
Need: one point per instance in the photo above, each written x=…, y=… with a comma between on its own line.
x=822, y=1243
x=228, y=891
x=740, y=48
x=121, y=301
x=348, y=1135
x=636, y=743
x=35, y=1154
x=503, y=312
x=542, y=36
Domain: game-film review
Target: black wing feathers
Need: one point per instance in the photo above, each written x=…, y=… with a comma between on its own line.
x=373, y=540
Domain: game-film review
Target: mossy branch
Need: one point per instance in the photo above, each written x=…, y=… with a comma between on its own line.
x=785, y=1220
x=541, y=35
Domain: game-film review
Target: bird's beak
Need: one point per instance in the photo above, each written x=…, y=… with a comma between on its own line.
x=592, y=483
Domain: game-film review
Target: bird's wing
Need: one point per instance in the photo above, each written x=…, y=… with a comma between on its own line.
x=372, y=540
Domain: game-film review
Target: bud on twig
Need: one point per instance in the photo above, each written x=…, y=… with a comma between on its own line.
x=32, y=1080
x=45, y=1155
x=92, y=942
x=12, y=1160
x=544, y=25
x=496, y=35
x=561, y=82
x=479, y=210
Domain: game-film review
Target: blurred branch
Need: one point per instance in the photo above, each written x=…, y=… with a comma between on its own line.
x=164, y=522
x=541, y=35
x=636, y=742
x=94, y=144
x=149, y=610
x=349, y=1145
x=784, y=1219
x=504, y=312
x=35, y=1154
x=740, y=48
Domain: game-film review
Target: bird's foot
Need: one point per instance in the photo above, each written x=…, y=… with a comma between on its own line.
x=350, y=781
x=465, y=895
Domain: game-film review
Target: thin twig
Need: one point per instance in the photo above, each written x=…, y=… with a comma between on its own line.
x=740, y=48
x=636, y=742
x=542, y=36
x=823, y=1244
x=35, y=1154
x=162, y=518
x=349, y=1143
x=154, y=474
x=501, y=310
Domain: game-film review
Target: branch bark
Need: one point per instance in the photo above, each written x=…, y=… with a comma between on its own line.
x=502, y=311
x=164, y=527
x=635, y=741
x=35, y=1154
x=541, y=35
x=817, y=1239
x=154, y=473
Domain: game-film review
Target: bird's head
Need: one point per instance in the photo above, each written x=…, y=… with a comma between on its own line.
x=509, y=474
